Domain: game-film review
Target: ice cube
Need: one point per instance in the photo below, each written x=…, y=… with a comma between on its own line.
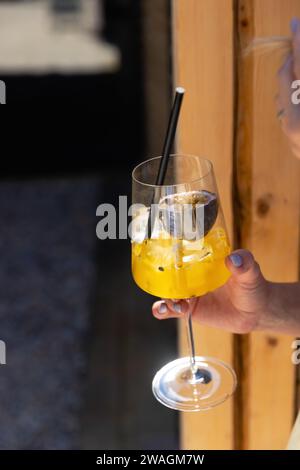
x=205, y=253
x=139, y=224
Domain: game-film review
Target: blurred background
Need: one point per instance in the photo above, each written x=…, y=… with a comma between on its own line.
x=93, y=81
x=82, y=346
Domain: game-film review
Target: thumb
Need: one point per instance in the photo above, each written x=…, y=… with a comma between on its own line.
x=244, y=269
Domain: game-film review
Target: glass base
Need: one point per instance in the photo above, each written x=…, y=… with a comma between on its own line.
x=182, y=388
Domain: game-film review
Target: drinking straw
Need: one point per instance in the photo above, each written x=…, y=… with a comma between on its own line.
x=168, y=143
x=173, y=121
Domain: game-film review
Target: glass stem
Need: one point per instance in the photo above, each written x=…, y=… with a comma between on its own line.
x=191, y=343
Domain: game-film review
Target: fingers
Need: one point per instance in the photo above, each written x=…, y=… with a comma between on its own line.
x=287, y=111
x=285, y=79
x=287, y=73
x=245, y=272
x=167, y=308
x=244, y=269
x=295, y=28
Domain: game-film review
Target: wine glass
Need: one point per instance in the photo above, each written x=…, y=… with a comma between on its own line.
x=179, y=245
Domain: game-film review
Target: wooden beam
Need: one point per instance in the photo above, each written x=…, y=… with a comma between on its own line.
x=268, y=182
x=203, y=64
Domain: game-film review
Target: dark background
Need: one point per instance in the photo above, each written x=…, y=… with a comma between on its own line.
x=82, y=346
x=108, y=131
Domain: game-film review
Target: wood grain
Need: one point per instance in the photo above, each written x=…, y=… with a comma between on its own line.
x=203, y=63
x=269, y=191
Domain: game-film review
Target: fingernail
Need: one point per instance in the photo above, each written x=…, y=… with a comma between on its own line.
x=177, y=307
x=294, y=25
x=162, y=308
x=236, y=260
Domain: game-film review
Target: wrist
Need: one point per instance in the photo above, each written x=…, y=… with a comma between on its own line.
x=281, y=312
x=266, y=315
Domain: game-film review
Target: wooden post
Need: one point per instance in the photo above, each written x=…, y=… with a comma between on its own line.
x=203, y=63
x=229, y=116
x=267, y=178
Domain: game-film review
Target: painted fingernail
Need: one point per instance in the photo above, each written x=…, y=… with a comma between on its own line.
x=162, y=308
x=294, y=25
x=236, y=260
x=177, y=307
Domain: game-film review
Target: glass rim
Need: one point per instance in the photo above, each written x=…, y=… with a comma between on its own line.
x=136, y=180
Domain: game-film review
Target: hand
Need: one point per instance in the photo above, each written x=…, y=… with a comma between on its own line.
x=288, y=112
x=239, y=306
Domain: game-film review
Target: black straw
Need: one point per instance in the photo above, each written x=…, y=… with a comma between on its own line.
x=169, y=140
x=172, y=126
